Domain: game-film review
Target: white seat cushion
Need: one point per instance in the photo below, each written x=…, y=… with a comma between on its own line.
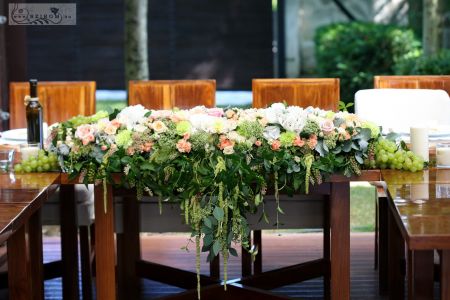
x=399, y=109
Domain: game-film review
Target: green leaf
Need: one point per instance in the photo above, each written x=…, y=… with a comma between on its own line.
x=207, y=222
x=218, y=213
x=207, y=240
x=147, y=166
x=392, y=136
x=280, y=210
x=233, y=252
x=216, y=247
x=257, y=199
x=359, y=159
x=347, y=146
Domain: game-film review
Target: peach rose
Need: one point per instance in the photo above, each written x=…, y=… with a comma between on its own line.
x=258, y=143
x=276, y=144
x=86, y=133
x=183, y=146
x=224, y=142
x=111, y=129
x=299, y=142
x=159, y=127
x=104, y=147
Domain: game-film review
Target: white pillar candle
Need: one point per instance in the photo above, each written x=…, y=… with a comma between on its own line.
x=419, y=142
x=27, y=152
x=443, y=157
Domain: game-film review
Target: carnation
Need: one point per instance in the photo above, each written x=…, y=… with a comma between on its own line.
x=287, y=138
x=183, y=127
x=123, y=138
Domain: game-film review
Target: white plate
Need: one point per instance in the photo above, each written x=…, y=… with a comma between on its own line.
x=19, y=134
x=15, y=134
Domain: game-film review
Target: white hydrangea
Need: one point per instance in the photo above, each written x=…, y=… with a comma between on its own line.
x=294, y=119
x=132, y=115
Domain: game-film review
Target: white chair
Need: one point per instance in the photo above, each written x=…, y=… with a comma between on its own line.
x=399, y=109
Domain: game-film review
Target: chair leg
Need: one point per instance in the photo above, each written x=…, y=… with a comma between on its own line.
x=92, y=243
x=257, y=240
x=85, y=258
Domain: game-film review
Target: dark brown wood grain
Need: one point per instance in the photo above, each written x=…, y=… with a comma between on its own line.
x=69, y=242
x=60, y=100
x=396, y=258
x=433, y=82
x=167, y=94
x=420, y=274
x=445, y=274
x=34, y=228
x=304, y=92
x=19, y=269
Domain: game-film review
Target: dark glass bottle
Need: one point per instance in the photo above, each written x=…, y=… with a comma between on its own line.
x=34, y=116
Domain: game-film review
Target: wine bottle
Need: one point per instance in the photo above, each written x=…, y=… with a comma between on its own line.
x=34, y=116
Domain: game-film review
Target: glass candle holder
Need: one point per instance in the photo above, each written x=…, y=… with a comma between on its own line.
x=29, y=150
x=6, y=160
x=443, y=155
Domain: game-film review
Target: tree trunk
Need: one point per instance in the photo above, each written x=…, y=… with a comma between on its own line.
x=432, y=26
x=136, y=46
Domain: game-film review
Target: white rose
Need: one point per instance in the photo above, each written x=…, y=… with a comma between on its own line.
x=228, y=150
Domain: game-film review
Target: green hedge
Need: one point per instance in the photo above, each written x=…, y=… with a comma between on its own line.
x=434, y=65
x=357, y=51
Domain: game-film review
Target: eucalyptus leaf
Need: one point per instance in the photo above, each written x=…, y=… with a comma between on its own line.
x=216, y=247
x=218, y=213
x=233, y=252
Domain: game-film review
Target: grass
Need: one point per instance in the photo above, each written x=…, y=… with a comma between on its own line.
x=110, y=105
x=362, y=207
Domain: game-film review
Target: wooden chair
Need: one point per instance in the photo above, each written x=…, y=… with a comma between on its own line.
x=316, y=92
x=155, y=94
x=61, y=101
x=432, y=82
x=167, y=94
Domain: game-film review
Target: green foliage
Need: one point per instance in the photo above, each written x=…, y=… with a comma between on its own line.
x=438, y=64
x=356, y=51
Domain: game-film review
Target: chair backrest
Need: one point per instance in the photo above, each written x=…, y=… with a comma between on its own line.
x=439, y=82
x=167, y=94
x=303, y=92
x=399, y=109
x=60, y=100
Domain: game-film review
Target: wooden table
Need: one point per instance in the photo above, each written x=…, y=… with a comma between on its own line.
x=419, y=214
x=335, y=265
x=21, y=198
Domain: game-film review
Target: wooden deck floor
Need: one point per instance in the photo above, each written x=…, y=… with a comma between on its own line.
x=279, y=250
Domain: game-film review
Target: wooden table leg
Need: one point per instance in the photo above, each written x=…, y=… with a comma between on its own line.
x=340, y=240
x=36, y=257
x=420, y=274
x=129, y=249
x=396, y=279
x=326, y=249
x=445, y=275
x=383, y=245
x=257, y=240
x=69, y=241
x=19, y=270
x=104, y=244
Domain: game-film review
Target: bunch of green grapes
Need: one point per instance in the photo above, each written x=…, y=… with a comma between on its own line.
x=40, y=163
x=390, y=156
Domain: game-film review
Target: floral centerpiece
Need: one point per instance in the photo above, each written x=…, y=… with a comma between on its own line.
x=217, y=164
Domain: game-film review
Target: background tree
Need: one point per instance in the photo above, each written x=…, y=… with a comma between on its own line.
x=136, y=46
x=433, y=23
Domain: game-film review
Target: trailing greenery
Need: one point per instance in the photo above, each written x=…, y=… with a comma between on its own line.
x=356, y=51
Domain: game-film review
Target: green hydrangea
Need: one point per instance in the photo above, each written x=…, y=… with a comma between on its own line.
x=183, y=127
x=99, y=115
x=287, y=138
x=198, y=140
x=330, y=115
x=250, y=129
x=330, y=141
x=123, y=138
x=311, y=127
x=374, y=128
